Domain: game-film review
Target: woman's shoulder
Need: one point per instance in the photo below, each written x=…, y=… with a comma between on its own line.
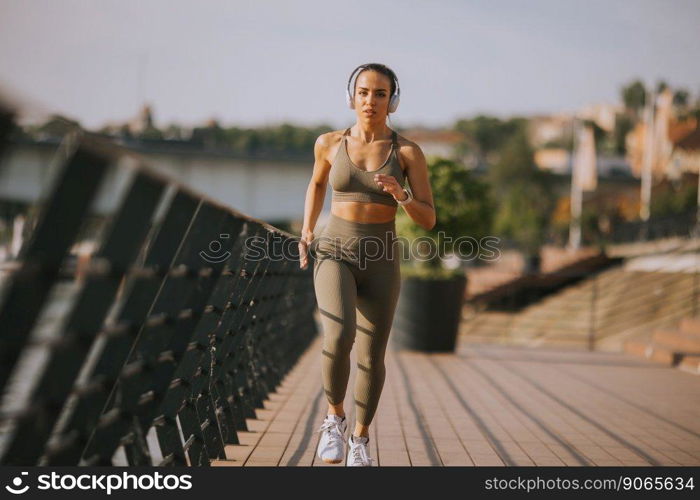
x=330, y=138
x=327, y=143
x=406, y=144
x=408, y=151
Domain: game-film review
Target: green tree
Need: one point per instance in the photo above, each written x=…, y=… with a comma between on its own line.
x=463, y=207
x=174, y=132
x=681, y=97
x=251, y=142
x=600, y=136
x=516, y=162
x=623, y=125
x=524, y=195
x=523, y=215
x=486, y=135
x=151, y=133
x=634, y=97
x=211, y=136
x=674, y=200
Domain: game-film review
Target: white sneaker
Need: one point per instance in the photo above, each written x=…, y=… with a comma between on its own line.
x=358, y=452
x=330, y=447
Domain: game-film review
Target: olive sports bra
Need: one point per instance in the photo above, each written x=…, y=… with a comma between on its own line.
x=351, y=183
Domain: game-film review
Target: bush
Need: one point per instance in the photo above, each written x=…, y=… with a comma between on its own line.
x=525, y=201
x=674, y=201
x=463, y=207
x=523, y=215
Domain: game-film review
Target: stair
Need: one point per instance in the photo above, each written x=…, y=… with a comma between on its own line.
x=678, y=340
x=678, y=347
x=613, y=306
x=690, y=364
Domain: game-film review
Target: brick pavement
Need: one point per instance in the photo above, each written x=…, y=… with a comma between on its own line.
x=493, y=405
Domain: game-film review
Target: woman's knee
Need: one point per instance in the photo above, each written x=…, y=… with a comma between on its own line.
x=339, y=341
x=371, y=359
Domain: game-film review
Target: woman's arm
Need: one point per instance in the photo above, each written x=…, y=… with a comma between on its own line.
x=315, y=194
x=422, y=208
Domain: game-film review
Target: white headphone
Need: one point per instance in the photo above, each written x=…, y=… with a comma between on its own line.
x=393, y=102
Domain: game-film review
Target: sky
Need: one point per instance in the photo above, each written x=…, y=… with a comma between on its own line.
x=257, y=63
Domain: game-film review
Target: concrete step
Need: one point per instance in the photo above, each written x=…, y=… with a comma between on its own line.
x=624, y=301
x=666, y=347
x=649, y=350
x=690, y=364
x=690, y=325
x=678, y=340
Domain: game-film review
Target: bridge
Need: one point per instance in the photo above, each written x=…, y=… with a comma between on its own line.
x=183, y=340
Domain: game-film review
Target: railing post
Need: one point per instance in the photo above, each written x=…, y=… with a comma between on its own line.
x=591, y=326
x=695, y=287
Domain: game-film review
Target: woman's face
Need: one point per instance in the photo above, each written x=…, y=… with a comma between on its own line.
x=372, y=93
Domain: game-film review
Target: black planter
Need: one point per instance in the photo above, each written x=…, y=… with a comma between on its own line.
x=532, y=264
x=428, y=314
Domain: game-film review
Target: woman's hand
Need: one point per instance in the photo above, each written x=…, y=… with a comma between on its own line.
x=389, y=184
x=306, y=239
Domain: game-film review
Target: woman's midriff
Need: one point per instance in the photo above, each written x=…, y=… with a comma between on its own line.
x=363, y=212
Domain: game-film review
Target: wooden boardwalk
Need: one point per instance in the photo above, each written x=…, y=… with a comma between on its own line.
x=493, y=405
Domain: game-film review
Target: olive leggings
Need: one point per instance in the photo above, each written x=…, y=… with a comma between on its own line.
x=357, y=282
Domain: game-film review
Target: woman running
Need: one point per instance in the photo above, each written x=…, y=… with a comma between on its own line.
x=356, y=271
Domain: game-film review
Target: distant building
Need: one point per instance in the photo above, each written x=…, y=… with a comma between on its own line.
x=686, y=153
x=551, y=137
x=557, y=128
x=140, y=125
x=604, y=115
x=143, y=121
x=436, y=142
x=558, y=161
x=544, y=130
x=680, y=140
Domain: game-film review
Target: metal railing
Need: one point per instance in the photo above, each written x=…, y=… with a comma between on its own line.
x=657, y=227
x=159, y=353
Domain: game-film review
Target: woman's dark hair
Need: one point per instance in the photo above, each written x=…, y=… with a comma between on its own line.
x=379, y=68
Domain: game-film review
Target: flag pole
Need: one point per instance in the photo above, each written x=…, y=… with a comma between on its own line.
x=696, y=228
x=645, y=196
x=576, y=194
